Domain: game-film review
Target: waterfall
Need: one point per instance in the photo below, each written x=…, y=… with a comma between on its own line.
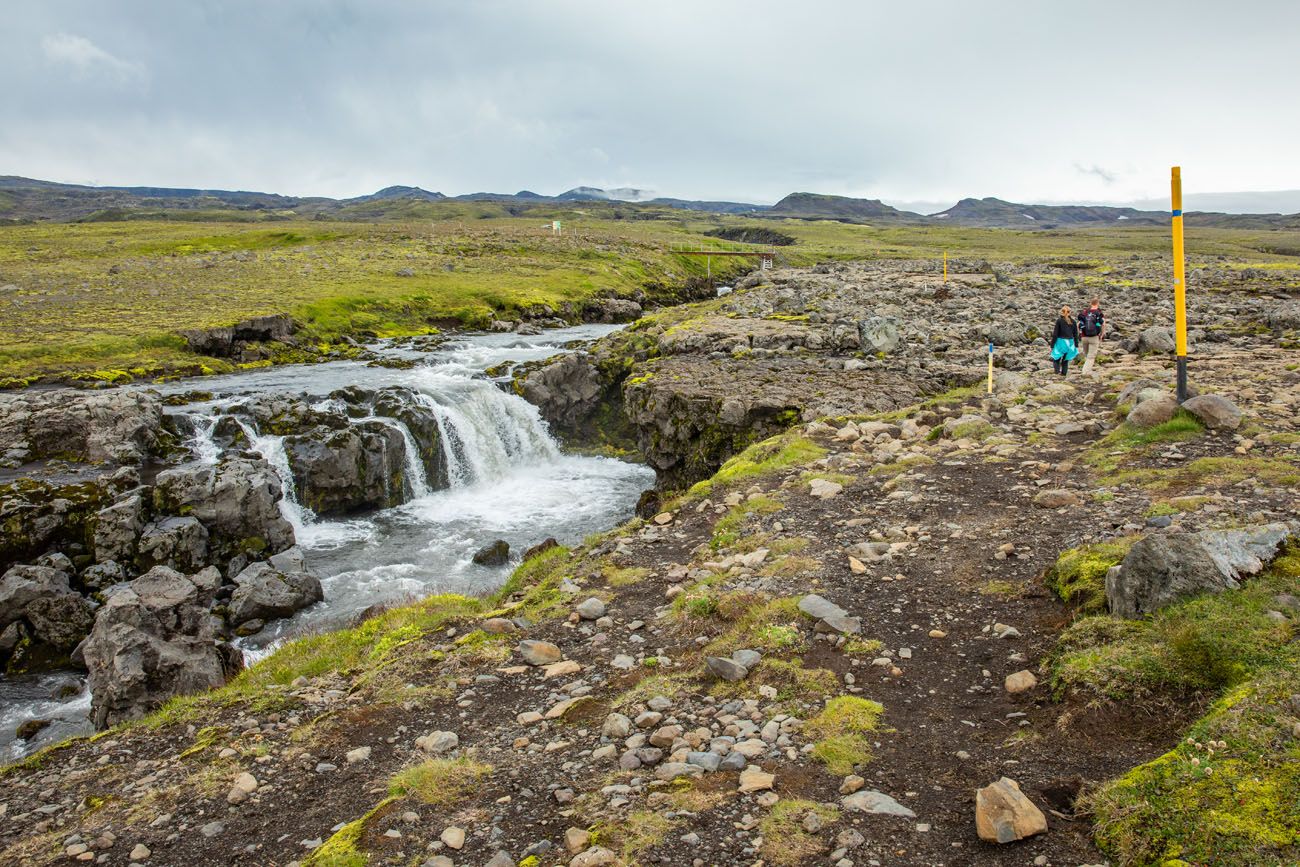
x=416, y=475
x=201, y=442
x=485, y=432
x=271, y=447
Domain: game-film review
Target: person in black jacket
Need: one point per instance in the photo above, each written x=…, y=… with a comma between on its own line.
x=1065, y=341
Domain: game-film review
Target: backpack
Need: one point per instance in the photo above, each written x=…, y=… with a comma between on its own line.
x=1090, y=322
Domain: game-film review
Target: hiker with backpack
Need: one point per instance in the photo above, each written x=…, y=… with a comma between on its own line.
x=1065, y=341
x=1092, y=330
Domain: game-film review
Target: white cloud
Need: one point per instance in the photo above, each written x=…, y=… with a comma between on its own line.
x=88, y=58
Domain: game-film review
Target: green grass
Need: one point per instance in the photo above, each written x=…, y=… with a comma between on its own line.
x=730, y=527
x=841, y=733
x=1079, y=575
x=1202, y=646
x=1209, y=473
x=440, y=782
x=1226, y=793
x=766, y=625
x=785, y=842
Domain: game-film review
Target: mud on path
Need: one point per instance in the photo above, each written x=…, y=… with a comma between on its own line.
x=949, y=552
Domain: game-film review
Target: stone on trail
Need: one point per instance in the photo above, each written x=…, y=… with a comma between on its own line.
x=438, y=742
x=1021, y=681
x=141, y=852
x=818, y=607
x=576, y=839
x=1214, y=411
x=727, y=669
x=876, y=803
x=1150, y=413
x=616, y=726
x=560, y=669
x=498, y=626
x=539, y=652
x=591, y=609
x=501, y=859
x=453, y=838
x=1056, y=498
x=596, y=856
x=1003, y=814
x=360, y=754
x=856, y=566
x=823, y=489
x=755, y=779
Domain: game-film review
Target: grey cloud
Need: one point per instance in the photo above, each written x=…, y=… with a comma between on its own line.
x=722, y=99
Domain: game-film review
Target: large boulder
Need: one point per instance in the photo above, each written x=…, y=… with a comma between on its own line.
x=348, y=471
x=45, y=609
x=402, y=404
x=263, y=592
x=1163, y=568
x=1285, y=316
x=237, y=502
x=37, y=516
x=181, y=543
x=1003, y=814
x=1152, y=412
x=1214, y=411
x=565, y=391
x=233, y=340
x=154, y=639
x=96, y=427
x=1156, y=340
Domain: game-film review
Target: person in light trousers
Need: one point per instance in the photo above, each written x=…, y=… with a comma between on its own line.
x=1092, y=331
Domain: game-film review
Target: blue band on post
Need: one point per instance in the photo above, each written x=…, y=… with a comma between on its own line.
x=1178, y=213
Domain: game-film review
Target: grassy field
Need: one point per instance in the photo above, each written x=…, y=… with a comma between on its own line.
x=112, y=295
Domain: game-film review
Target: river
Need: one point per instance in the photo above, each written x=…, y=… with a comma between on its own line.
x=508, y=479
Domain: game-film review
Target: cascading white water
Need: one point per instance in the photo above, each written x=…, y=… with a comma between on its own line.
x=416, y=475
x=485, y=432
x=201, y=442
x=271, y=447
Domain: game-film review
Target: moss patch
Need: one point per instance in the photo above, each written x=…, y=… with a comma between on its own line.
x=440, y=782
x=1225, y=795
x=841, y=730
x=1079, y=574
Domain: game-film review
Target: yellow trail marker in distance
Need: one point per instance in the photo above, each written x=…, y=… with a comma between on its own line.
x=945, y=266
x=990, y=366
x=1180, y=281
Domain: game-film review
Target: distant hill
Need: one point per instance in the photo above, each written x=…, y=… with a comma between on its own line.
x=807, y=206
x=407, y=193
x=999, y=213
x=25, y=200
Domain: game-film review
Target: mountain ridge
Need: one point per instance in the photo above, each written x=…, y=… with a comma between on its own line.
x=26, y=200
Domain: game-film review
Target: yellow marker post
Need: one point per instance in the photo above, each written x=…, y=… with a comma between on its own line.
x=945, y=266
x=990, y=366
x=1180, y=281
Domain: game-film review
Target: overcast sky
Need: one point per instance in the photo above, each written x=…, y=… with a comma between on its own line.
x=1027, y=100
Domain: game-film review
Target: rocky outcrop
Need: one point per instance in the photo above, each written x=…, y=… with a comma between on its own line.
x=119, y=427
x=567, y=391
x=263, y=592
x=153, y=640
x=1165, y=567
x=40, y=516
x=691, y=414
x=41, y=617
x=347, y=471
x=242, y=340
x=237, y=502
